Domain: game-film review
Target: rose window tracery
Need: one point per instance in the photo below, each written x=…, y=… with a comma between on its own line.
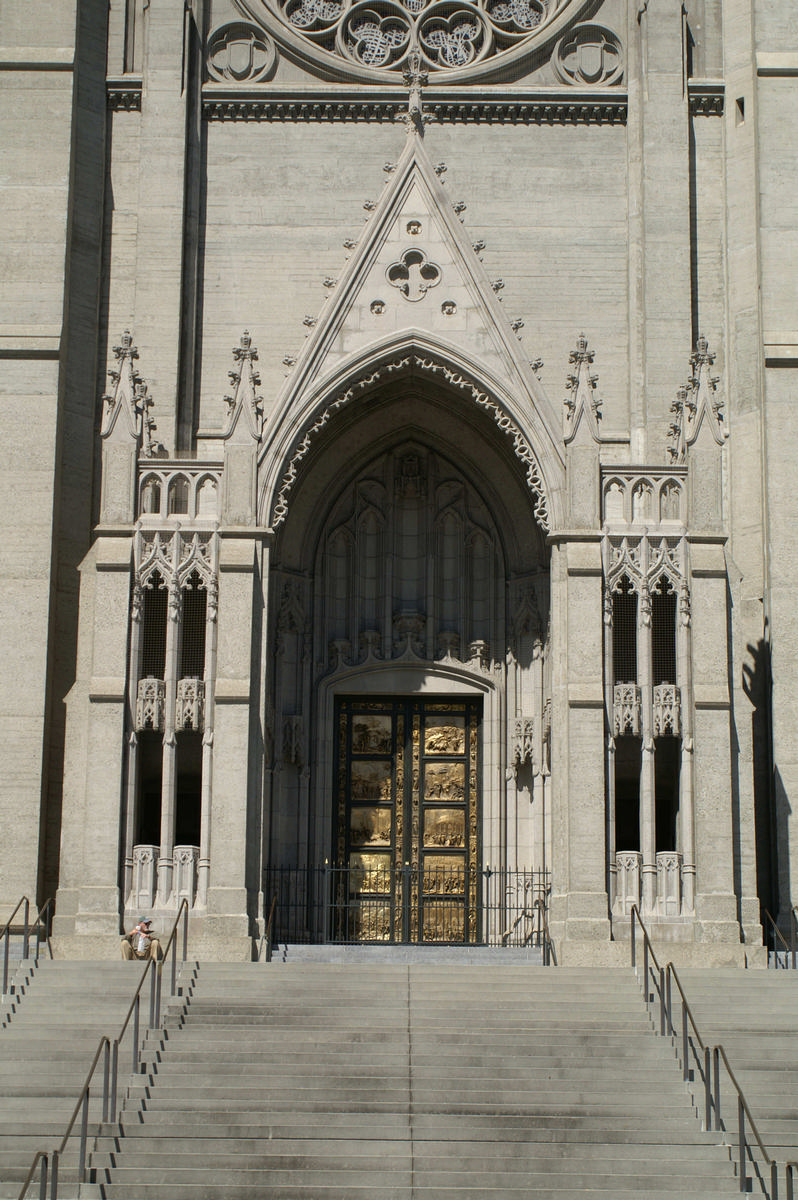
x=449, y=35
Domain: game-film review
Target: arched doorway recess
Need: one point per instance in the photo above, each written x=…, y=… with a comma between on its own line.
x=410, y=681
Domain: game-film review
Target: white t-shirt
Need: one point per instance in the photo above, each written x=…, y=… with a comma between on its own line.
x=142, y=941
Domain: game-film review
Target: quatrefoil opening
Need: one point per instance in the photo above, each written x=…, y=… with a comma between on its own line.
x=452, y=39
x=373, y=38
x=414, y=274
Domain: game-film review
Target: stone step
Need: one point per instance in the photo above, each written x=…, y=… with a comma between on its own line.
x=528, y=1189
x=402, y=1174
x=308, y=1151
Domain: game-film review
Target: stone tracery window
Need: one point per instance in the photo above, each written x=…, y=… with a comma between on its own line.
x=448, y=35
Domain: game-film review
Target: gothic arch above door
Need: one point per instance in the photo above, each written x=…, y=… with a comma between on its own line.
x=416, y=576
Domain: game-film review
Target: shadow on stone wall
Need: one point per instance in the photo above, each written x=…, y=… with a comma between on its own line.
x=771, y=806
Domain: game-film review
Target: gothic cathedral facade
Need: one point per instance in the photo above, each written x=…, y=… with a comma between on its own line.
x=399, y=402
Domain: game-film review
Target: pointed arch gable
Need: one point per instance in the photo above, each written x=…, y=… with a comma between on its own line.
x=417, y=356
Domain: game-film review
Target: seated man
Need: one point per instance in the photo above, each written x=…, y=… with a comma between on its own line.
x=140, y=942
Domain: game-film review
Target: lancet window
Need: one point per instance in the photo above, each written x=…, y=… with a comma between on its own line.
x=172, y=655
x=649, y=772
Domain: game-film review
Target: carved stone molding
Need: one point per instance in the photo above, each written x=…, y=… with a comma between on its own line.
x=581, y=401
x=667, y=710
x=150, y=702
x=523, y=742
x=523, y=451
x=293, y=740
x=637, y=496
x=409, y=629
x=190, y=705
x=179, y=491
x=185, y=860
x=244, y=406
x=539, y=109
x=145, y=878
x=413, y=274
x=240, y=52
x=626, y=710
x=629, y=867
x=292, y=614
x=589, y=55
x=175, y=557
x=669, y=883
x=644, y=560
x=124, y=94
x=696, y=405
x=706, y=97
x=126, y=416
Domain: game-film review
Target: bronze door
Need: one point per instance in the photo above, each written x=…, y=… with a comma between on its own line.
x=407, y=821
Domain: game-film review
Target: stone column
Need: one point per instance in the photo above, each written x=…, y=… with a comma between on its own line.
x=211, y=612
x=87, y=903
x=579, y=853
x=132, y=755
x=161, y=207
x=234, y=793
x=169, y=765
x=686, y=797
x=648, y=822
x=716, y=903
x=659, y=272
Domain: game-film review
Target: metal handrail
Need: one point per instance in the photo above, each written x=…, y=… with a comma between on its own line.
x=111, y=1062
x=648, y=952
x=711, y=1078
x=266, y=940
x=28, y=927
x=789, y=948
x=37, y=921
x=711, y=1072
x=172, y=943
x=790, y=1167
x=82, y=1107
x=43, y=1157
x=794, y=935
x=6, y=935
x=549, y=953
x=743, y=1111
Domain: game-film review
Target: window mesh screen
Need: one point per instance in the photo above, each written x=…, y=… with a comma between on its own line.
x=624, y=634
x=192, y=631
x=153, y=629
x=663, y=635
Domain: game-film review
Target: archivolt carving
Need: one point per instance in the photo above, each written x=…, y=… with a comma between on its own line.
x=380, y=36
x=654, y=497
x=522, y=449
x=379, y=600
x=644, y=561
x=175, y=558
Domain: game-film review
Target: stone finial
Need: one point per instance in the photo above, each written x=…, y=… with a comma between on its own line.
x=696, y=405
x=127, y=415
x=415, y=78
x=581, y=384
x=244, y=400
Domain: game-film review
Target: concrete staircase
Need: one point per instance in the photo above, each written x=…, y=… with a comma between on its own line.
x=52, y=1026
x=376, y=1081
x=754, y=1015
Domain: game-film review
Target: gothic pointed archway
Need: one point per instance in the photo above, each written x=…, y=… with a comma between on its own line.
x=409, y=578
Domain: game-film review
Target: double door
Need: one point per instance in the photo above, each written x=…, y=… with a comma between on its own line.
x=407, y=836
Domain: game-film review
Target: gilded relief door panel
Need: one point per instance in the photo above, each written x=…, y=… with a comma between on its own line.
x=408, y=818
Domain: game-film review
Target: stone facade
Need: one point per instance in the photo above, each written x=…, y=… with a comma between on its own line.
x=509, y=290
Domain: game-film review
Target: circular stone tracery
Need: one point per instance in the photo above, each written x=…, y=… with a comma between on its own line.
x=456, y=37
